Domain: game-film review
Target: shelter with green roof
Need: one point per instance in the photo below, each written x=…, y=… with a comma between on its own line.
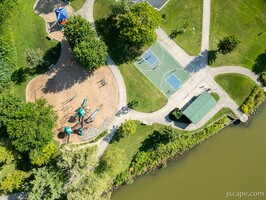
x=200, y=107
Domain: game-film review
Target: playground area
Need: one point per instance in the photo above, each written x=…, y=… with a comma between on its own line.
x=158, y=65
x=69, y=88
x=46, y=9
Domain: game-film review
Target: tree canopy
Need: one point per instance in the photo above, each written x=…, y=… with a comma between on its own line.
x=91, y=53
x=136, y=27
x=76, y=29
x=31, y=126
x=28, y=125
x=46, y=184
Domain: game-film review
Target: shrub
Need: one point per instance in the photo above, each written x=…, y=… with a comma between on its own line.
x=13, y=181
x=254, y=100
x=129, y=127
x=43, y=156
x=6, y=156
x=176, y=114
x=34, y=57
x=263, y=78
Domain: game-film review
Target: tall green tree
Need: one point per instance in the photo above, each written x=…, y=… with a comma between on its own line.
x=136, y=27
x=91, y=53
x=228, y=44
x=30, y=127
x=47, y=184
x=76, y=29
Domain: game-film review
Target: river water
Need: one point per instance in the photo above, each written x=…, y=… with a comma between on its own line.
x=234, y=160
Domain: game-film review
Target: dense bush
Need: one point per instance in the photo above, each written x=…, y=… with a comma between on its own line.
x=175, y=114
x=34, y=57
x=254, y=100
x=7, y=52
x=6, y=156
x=13, y=181
x=43, y=156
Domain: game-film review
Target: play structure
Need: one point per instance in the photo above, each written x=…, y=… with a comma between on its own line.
x=61, y=17
x=81, y=112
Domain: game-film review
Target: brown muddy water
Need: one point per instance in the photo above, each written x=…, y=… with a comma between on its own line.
x=234, y=160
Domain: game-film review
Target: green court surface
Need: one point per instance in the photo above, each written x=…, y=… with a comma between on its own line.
x=159, y=66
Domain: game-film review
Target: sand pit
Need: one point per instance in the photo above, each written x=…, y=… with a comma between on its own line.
x=67, y=81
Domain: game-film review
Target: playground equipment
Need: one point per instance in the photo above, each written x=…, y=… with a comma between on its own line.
x=81, y=112
x=61, y=18
x=91, y=117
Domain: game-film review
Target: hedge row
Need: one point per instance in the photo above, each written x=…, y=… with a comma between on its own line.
x=254, y=100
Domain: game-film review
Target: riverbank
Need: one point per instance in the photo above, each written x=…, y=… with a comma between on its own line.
x=153, y=151
x=233, y=160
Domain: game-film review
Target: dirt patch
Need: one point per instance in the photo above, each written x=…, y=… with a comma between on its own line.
x=67, y=100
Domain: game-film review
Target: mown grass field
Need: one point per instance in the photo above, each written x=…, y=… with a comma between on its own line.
x=237, y=86
x=139, y=87
x=245, y=19
x=179, y=11
x=28, y=31
x=77, y=4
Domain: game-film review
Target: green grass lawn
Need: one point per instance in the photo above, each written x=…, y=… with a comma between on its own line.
x=28, y=31
x=177, y=12
x=236, y=85
x=129, y=146
x=245, y=19
x=139, y=87
x=101, y=9
x=77, y=4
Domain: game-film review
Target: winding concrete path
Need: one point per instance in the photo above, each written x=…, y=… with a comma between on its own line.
x=202, y=78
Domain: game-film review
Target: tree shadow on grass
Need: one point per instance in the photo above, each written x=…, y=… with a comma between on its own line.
x=50, y=57
x=260, y=63
x=118, y=135
x=198, y=63
x=212, y=56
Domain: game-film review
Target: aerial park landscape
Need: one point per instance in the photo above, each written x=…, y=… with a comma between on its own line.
x=110, y=100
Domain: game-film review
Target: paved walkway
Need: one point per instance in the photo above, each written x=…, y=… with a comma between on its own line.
x=202, y=77
x=87, y=10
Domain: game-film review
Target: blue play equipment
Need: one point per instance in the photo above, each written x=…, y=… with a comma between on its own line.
x=84, y=102
x=68, y=130
x=61, y=14
x=81, y=112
